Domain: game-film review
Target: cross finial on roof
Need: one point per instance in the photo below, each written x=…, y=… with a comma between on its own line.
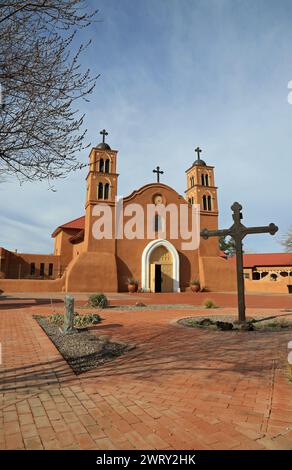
x=198, y=151
x=103, y=133
x=159, y=172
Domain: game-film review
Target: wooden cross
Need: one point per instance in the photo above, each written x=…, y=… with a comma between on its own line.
x=103, y=133
x=238, y=231
x=198, y=150
x=158, y=173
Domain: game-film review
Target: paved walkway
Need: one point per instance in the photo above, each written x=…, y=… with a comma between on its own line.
x=180, y=388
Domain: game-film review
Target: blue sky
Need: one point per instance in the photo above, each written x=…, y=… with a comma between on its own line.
x=176, y=74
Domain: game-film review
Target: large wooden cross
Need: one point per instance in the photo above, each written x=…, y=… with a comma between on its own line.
x=238, y=231
x=158, y=173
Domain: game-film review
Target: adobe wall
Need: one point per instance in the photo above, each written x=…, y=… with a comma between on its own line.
x=92, y=272
x=217, y=274
x=30, y=285
x=18, y=265
x=272, y=287
x=63, y=247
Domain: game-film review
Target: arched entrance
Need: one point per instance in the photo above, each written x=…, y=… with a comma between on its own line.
x=160, y=267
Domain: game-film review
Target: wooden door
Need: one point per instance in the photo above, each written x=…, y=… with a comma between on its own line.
x=152, y=277
x=162, y=257
x=167, y=281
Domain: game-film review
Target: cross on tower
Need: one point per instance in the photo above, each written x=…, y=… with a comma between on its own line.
x=198, y=151
x=103, y=133
x=158, y=173
x=238, y=231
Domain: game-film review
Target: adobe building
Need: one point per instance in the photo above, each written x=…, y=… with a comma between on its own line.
x=268, y=272
x=83, y=263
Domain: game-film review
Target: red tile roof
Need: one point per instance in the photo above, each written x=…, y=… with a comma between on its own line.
x=267, y=259
x=76, y=224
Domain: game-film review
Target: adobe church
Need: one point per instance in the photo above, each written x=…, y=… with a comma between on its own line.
x=84, y=263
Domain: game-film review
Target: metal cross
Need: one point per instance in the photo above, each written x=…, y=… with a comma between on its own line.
x=158, y=173
x=238, y=231
x=103, y=133
x=198, y=150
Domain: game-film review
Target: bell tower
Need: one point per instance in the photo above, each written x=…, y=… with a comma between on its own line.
x=101, y=188
x=201, y=187
x=201, y=190
x=95, y=267
x=102, y=178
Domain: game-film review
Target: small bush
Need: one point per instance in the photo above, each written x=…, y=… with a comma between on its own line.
x=210, y=304
x=84, y=320
x=56, y=318
x=278, y=323
x=79, y=320
x=98, y=300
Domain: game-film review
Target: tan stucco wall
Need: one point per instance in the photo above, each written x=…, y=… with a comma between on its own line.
x=17, y=265
x=217, y=274
x=30, y=285
x=273, y=287
x=92, y=272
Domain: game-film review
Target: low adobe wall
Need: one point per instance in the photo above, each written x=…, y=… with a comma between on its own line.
x=92, y=272
x=271, y=287
x=31, y=285
x=217, y=274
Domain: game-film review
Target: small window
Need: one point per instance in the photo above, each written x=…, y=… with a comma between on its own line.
x=101, y=165
x=203, y=180
x=100, y=191
x=106, y=191
x=51, y=269
x=32, y=269
x=42, y=269
x=157, y=223
x=204, y=203
x=209, y=203
x=206, y=180
x=107, y=166
x=256, y=276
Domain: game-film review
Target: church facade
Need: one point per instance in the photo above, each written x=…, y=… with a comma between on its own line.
x=84, y=262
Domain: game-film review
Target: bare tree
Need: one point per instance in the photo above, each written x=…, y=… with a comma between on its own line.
x=42, y=83
x=287, y=241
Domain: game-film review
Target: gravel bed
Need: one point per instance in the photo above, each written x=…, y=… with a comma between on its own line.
x=151, y=307
x=81, y=349
x=262, y=324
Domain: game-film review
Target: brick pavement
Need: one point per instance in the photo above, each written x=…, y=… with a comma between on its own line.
x=180, y=388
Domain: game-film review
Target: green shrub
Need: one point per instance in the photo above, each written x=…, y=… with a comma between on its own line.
x=79, y=320
x=209, y=304
x=279, y=323
x=56, y=318
x=84, y=320
x=98, y=300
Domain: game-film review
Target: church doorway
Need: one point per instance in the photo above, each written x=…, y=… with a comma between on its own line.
x=158, y=278
x=161, y=268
